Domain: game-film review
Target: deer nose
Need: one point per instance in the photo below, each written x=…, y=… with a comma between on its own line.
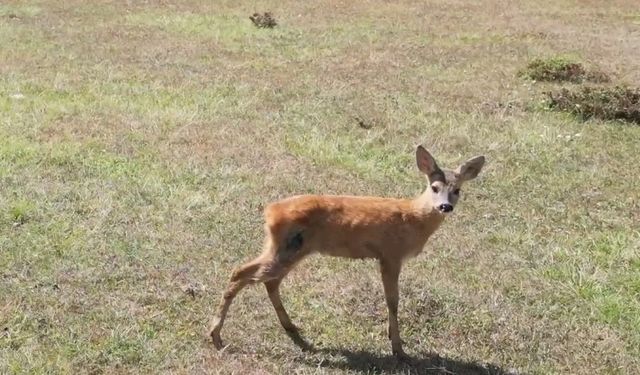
x=445, y=207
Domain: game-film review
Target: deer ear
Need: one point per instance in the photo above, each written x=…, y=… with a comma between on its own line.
x=470, y=168
x=426, y=162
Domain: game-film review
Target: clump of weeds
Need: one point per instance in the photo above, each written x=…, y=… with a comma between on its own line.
x=559, y=69
x=264, y=20
x=606, y=103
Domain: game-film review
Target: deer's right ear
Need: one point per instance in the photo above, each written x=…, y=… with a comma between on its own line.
x=426, y=162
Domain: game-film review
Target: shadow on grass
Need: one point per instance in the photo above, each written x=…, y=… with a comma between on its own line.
x=367, y=362
x=423, y=363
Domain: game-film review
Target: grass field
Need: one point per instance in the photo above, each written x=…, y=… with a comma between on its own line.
x=139, y=141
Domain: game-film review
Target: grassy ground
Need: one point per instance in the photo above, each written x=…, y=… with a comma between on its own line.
x=139, y=142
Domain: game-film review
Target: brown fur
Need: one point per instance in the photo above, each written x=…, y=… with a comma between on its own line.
x=352, y=227
x=386, y=229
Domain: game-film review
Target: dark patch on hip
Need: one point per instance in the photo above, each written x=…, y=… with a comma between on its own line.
x=294, y=242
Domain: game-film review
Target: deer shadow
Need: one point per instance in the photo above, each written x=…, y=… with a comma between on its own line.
x=374, y=363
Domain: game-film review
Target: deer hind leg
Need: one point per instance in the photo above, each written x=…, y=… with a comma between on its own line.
x=270, y=267
x=273, y=289
x=255, y=270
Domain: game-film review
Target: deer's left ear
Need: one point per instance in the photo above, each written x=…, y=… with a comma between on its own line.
x=470, y=168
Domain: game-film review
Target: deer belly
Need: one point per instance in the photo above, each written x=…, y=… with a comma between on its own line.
x=354, y=250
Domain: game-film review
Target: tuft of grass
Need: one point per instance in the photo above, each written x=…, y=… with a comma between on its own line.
x=606, y=103
x=559, y=69
x=20, y=212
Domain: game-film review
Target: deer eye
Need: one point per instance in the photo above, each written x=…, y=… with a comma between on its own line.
x=456, y=192
x=435, y=189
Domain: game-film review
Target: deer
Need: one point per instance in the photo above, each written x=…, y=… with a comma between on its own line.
x=388, y=230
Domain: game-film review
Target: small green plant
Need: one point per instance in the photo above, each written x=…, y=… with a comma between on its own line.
x=20, y=211
x=607, y=103
x=560, y=69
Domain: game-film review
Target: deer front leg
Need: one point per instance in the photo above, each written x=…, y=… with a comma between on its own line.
x=390, y=274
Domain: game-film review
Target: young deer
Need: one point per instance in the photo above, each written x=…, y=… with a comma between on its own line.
x=386, y=229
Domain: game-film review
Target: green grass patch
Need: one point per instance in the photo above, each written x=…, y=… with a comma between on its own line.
x=15, y=12
x=228, y=29
x=364, y=159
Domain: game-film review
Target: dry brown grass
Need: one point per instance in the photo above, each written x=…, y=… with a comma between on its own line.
x=148, y=136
